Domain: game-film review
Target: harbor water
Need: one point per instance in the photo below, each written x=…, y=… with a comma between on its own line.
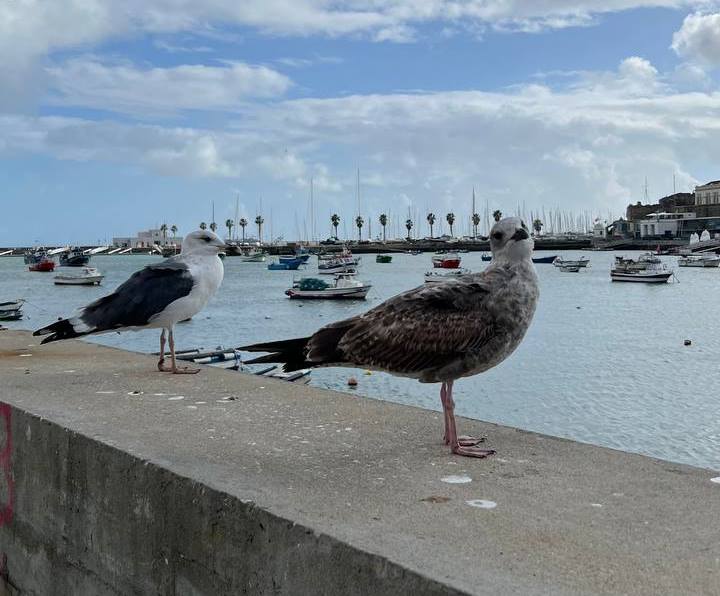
x=603, y=362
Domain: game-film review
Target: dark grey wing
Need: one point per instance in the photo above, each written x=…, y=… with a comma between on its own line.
x=133, y=304
x=429, y=327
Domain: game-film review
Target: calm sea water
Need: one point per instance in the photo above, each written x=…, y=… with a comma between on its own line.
x=603, y=362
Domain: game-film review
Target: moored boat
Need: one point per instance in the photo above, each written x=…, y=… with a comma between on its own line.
x=286, y=265
x=74, y=257
x=87, y=276
x=12, y=310
x=45, y=264
x=383, y=259
x=699, y=261
x=569, y=268
x=433, y=276
x=654, y=272
x=344, y=286
x=486, y=257
x=253, y=256
x=548, y=259
x=581, y=262
x=448, y=260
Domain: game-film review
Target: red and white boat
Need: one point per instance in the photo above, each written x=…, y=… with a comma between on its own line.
x=448, y=260
x=44, y=264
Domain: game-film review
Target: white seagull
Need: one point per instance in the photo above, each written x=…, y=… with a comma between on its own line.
x=155, y=297
x=434, y=333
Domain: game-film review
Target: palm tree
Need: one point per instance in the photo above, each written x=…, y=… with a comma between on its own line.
x=537, y=226
x=383, y=222
x=242, y=223
x=259, y=221
x=476, y=222
x=409, y=226
x=450, y=218
x=163, y=231
x=174, y=230
x=335, y=221
x=203, y=225
x=359, y=221
x=497, y=215
x=229, y=223
x=431, y=220
x=213, y=226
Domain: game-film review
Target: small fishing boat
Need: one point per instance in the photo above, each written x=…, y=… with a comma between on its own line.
x=87, y=276
x=45, y=264
x=581, y=262
x=486, y=257
x=383, y=259
x=342, y=264
x=344, y=286
x=432, y=277
x=644, y=260
x=289, y=265
x=74, y=257
x=302, y=257
x=549, y=259
x=253, y=256
x=12, y=310
x=699, y=261
x=653, y=273
x=568, y=268
x=447, y=260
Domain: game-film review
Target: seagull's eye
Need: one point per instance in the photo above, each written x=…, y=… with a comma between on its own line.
x=497, y=235
x=522, y=223
x=206, y=238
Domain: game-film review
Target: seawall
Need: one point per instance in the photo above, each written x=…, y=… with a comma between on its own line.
x=117, y=479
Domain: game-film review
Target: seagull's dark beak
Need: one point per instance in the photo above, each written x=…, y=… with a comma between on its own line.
x=520, y=234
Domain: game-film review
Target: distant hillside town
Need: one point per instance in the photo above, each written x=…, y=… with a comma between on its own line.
x=677, y=216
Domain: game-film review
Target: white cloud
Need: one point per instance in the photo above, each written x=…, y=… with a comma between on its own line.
x=126, y=88
x=588, y=145
x=699, y=39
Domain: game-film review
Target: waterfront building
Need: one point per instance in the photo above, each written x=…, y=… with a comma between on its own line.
x=663, y=225
x=708, y=194
x=146, y=239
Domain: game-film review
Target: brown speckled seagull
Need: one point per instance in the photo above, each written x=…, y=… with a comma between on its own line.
x=437, y=333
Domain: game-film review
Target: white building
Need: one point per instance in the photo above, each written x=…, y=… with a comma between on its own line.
x=708, y=194
x=147, y=239
x=663, y=224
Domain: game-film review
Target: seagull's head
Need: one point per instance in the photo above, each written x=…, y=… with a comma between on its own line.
x=202, y=242
x=510, y=240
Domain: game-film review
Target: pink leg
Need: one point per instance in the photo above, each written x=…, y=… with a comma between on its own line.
x=178, y=371
x=460, y=445
x=161, y=362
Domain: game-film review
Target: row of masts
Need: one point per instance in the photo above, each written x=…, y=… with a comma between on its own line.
x=554, y=221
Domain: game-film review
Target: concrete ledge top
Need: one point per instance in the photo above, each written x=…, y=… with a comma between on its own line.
x=569, y=518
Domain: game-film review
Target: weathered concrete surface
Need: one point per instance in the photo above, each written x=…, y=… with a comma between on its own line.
x=293, y=490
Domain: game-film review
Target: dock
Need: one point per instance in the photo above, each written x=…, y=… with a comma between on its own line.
x=117, y=479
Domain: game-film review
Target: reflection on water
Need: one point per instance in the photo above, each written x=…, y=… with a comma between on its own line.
x=602, y=363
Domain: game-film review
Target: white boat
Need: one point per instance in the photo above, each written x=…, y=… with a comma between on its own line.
x=569, y=268
x=254, y=256
x=12, y=310
x=654, y=273
x=87, y=276
x=644, y=260
x=699, y=261
x=344, y=286
x=432, y=277
x=337, y=267
x=581, y=262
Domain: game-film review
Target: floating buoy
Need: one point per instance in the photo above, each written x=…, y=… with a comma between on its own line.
x=352, y=382
x=688, y=342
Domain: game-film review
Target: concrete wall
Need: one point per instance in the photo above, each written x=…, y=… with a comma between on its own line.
x=87, y=518
x=118, y=479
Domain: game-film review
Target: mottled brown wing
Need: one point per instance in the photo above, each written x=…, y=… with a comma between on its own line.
x=427, y=327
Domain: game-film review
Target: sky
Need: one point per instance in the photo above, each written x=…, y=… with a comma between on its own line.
x=119, y=116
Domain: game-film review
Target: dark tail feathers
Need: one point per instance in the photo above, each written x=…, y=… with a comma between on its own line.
x=62, y=329
x=290, y=352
